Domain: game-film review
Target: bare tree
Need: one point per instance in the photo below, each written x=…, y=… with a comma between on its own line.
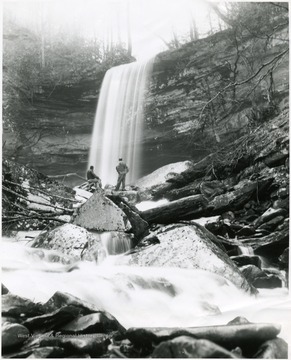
x=129, y=39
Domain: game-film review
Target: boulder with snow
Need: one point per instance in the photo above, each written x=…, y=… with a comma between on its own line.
x=68, y=239
x=190, y=246
x=161, y=175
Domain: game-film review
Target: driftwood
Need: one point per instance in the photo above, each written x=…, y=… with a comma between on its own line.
x=11, y=219
x=191, y=207
x=36, y=202
x=41, y=191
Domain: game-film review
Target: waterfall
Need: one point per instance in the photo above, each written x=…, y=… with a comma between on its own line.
x=114, y=244
x=246, y=250
x=119, y=121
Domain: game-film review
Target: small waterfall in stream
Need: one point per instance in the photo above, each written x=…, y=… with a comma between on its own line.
x=119, y=121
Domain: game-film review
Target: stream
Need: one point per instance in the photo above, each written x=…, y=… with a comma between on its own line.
x=138, y=296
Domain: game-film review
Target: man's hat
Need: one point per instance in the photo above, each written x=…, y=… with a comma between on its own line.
x=120, y=159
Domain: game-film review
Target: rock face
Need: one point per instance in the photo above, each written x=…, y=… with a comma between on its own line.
x=187, y=246
x=101, y=214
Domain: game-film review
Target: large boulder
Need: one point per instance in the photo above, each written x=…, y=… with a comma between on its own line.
x=259, y=278
x=68, y=239
x=187, y=246
x=13, y=335
x=101, y=322
x=100, y=214
x=160, y=176
x=273, y=349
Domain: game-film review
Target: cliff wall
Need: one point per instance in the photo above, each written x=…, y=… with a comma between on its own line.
x=177, y=127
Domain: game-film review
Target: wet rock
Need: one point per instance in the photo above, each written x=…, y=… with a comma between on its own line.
x=94, y=323
x=273, y=349
x=62, y=299
x=241, y=260
x=246, y=231
x=47, y=352
x=18, y=354
x=251, y=272
x=187, y=247
x=275, y=159
x=94, y=345
x=15, y=306
x=53, y=320
x=187, y=347
x=4, y=289
x=271, y=245
x=284, y=258
x=269, y=215
x=238, y=320
x=259, y=278
x=246, y=336
x=283, y=192
x=281, y=204
x=9, y=320
x=101, y=214
x=268, y=282
x=13, y=335
x=272, y=224
x=68, y=239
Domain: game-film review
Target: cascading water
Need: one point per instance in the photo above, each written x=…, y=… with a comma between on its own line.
x=119, y=121
x=141, y=296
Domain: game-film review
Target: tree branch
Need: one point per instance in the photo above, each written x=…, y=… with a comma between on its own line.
x=36, y=202
x=42, y=191
x=277, y=57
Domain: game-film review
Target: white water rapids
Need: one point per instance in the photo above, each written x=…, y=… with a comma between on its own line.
x=119, y=121
x=139, y=296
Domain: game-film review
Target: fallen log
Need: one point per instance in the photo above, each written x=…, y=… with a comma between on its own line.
x=191, y=207
x=247, y=336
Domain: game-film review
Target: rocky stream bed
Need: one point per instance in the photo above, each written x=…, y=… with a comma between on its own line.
x=227, y=216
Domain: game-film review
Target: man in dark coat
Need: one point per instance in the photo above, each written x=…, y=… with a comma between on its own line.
x=92, y=177
x=122, y=170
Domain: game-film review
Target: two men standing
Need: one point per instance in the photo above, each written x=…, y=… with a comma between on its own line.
x=122, y=170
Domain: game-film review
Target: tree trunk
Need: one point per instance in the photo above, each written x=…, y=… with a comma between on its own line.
x=188, y=208
x=129, y=40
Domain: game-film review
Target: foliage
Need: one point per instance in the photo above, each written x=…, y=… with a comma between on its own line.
x=247, y=79
x=33, y=62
